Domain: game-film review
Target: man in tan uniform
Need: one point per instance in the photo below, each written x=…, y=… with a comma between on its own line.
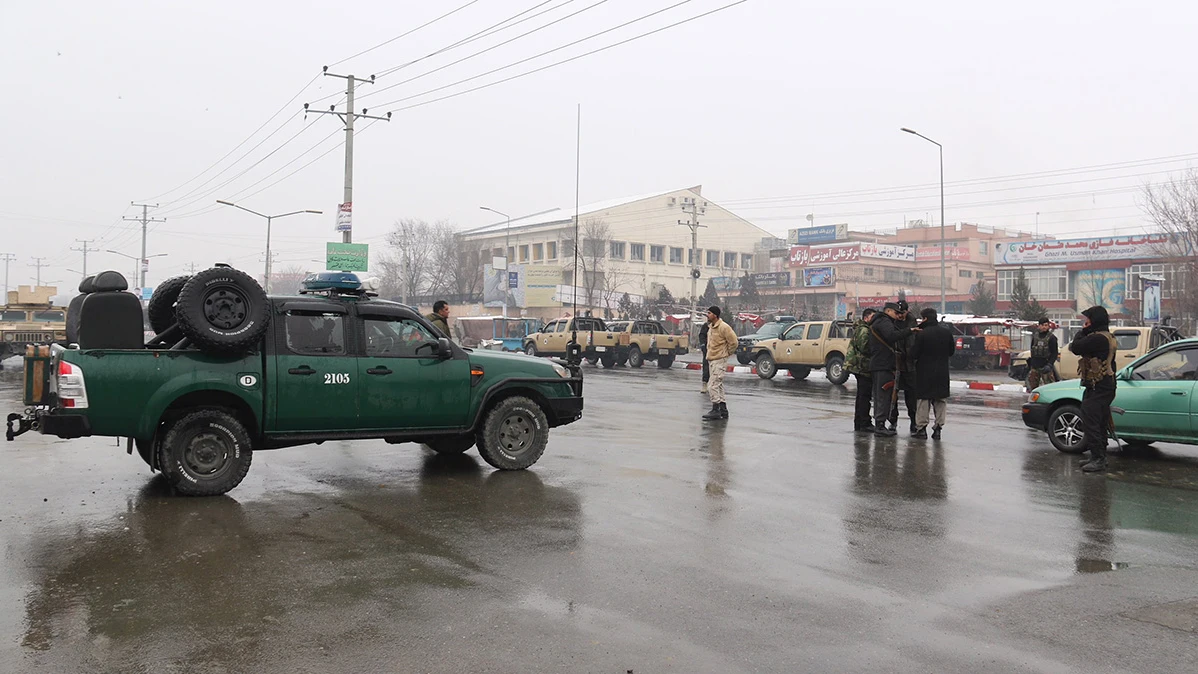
x=721, y=344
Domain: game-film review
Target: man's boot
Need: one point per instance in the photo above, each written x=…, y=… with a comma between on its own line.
x=714, y=414
x=936, y=432
x=920, y=434
x=704, y=389
x=884, y=430
x=1097, y=462
x=915, y=428
x=723, y=410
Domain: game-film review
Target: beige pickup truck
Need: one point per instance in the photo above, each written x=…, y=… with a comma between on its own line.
x=1131, y=342
x=806, y=346
x=639, y=341
x=598, y=343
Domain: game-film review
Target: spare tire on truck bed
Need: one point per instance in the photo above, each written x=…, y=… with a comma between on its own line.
x=222, y=310
x=161, y=307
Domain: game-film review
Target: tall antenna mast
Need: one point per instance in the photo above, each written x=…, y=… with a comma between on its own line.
x=574, y=353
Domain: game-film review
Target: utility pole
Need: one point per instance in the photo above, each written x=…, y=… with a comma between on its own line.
x=694, y=209
x=144, y=220
x=191, y=268
x=84, y=250
x=37, y=262
x=345, y=211
x=8, y=259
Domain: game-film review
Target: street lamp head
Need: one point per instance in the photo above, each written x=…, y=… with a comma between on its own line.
x=908, y=130
x=316, y=212
x=226, y=203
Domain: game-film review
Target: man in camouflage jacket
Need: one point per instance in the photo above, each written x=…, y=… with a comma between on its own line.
x=857, y=363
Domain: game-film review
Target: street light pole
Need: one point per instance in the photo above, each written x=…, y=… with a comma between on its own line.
x=942, y=300
x=269, y=218
x=507, y=234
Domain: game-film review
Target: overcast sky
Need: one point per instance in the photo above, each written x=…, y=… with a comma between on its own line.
x=129, y=100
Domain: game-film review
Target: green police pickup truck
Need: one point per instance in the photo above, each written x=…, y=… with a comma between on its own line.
x=335, y=364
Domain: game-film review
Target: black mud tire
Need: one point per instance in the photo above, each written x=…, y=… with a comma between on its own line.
x=665, y=362
x=161, y=307
x=766, y=366
x=799, y=372
x=608, y=358
x=835, y=370
x=744, y=358
x=223, y=310
x=531, y=349
x=513, y=434
x=451, y=445
x=1065, y=429
x=593, y=360
x=206, y=452
x=635, y=357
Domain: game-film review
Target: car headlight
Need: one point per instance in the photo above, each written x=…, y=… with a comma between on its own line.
x=1034, y=398
x=561, y=371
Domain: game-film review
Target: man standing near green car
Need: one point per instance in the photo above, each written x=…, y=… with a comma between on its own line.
x=440, y=317
x=857, y=363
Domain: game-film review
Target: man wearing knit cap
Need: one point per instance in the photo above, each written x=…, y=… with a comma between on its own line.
x=1095, y=347
x=886, y=331
x=721, y=343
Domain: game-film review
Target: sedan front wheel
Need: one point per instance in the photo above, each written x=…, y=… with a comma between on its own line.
x=1065, y=429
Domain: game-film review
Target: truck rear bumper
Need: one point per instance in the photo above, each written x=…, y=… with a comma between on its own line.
x=66, y=426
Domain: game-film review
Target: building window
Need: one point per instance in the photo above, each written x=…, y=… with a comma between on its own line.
x=983, y=249
x=552, y=248
x=524, y=253
x=657, y=253
x=636, y=252
x=867, y=271
x=1046, y=284
x=675, y=255
x=498, y=252
x=690, y=256
x=746, y=261
x=713, y=258
x=568, y=248
x=1174, y=279
x=730, y=260
x=538, y=252
x=965, y=273
x=617, y=250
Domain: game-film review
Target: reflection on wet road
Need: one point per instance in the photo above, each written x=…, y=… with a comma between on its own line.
x=644, y=540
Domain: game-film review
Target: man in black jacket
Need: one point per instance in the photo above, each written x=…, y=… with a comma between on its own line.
x=1095, y=346
x=934, y=346
x=886, y=331
x=906, y=371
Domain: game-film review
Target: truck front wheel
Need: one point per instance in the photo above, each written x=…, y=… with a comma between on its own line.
x=514, y=434
x=205, y=452
x=456, y=444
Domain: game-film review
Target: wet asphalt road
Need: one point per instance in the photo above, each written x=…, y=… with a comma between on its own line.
x=643, y=541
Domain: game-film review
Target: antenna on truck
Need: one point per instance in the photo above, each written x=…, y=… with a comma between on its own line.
x=573, y=350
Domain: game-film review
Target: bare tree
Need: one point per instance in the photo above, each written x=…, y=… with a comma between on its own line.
x=288, y=280
x=616, y=281
x=592, y=258
x=408, y=267
x=1173, y=208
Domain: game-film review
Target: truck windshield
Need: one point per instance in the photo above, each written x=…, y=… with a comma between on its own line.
x=12, y=316
x=49, y=316
x=770, y=330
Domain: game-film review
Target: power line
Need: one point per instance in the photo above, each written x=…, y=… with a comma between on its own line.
x=85, y=251
x=509, y=41
x=557, y=63
x=38, y=262
x=405, y=34
x=247, y=139
x=145, y=219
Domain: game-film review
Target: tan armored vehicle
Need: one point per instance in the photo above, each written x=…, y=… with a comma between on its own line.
x=28, y=317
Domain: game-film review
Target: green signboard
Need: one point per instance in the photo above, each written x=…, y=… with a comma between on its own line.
x=347, y=256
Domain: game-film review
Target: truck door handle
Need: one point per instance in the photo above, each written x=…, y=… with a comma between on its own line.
x=302, y=370
x=382, y=370
x=1177, y=393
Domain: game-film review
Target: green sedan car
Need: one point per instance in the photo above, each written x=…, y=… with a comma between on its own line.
x=1156, y=393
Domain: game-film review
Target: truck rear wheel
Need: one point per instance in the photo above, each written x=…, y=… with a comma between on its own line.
x=457, y=444
x=514, y=434
x=608, y=358
x=635, y=357
x=223, y=310
x=664, y=362
x=205, y=452
x=834, y=368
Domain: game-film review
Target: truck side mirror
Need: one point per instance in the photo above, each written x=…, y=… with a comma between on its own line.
x=444, y=352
